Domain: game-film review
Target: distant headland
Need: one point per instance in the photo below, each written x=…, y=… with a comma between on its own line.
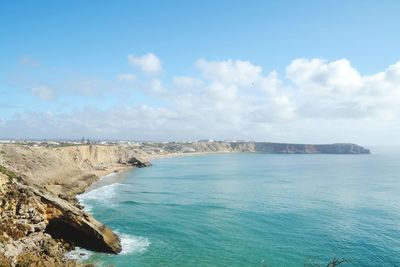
x=204, y=145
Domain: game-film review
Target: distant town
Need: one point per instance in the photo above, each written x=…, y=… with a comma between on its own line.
x=87, y=141
x=149, y=146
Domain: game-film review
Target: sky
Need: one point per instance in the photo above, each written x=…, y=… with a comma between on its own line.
x=280, y=71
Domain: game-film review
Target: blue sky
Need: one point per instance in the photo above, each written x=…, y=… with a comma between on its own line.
x=63, y=60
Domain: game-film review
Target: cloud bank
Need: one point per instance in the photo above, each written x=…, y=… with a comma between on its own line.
x=315, y=100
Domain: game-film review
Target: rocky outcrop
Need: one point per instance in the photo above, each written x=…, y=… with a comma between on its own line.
x=23, y=240
x=134, y=161
x=32, y=220
x=68, y=170
x=68, y=222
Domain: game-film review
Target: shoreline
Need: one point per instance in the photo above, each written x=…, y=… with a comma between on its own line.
x=53, y=178
x=106, y=179
x=102, y=174
x=101, y=178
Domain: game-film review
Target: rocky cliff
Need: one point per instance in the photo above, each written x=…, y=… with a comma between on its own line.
x=36, y=225
x=40, y=218
x=67, y=170
x=309, y=149
x=263, y=147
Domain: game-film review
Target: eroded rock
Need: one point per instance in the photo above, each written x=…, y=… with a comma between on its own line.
x=32, y=220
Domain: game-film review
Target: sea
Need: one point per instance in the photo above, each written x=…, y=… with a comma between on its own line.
x=251, y=209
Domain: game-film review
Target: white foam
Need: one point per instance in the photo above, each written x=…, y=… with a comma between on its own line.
x=133, y=244
x=79, y=254
x=100, y=196
x=109, y=175
x=130, y=245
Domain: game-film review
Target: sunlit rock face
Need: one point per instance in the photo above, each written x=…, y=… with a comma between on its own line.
x=36, y=225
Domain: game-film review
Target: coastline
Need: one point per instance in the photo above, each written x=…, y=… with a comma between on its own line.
x=102, y=178
x=114, y=175
x=103, y=175
x=54, y=177
x=119, y=169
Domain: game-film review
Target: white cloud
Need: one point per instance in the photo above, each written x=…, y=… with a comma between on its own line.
x=318, y=101
x=238, y=72
x=43, y=92
x=186, y=82
x=149, y=63
x=156, y=87
x=324, y=77
x=126, y=77
x=270, y=83
x=337, y=90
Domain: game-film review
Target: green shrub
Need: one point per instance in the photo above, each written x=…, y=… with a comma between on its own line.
x=10, y=174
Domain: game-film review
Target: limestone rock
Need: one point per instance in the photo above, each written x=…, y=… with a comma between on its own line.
x=32, y=219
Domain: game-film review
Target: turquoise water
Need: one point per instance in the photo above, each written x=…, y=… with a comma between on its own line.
x=254, y=210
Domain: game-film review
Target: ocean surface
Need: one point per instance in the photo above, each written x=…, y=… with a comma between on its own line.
x=253, y=210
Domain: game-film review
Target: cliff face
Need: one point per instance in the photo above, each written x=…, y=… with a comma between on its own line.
x=65, y=220
x=198, y=147
x=39, y=217
x=310, y=149
x=66, y=170
x=97, y=157
x=23, y=239
x=263, y=147
x=32, y=220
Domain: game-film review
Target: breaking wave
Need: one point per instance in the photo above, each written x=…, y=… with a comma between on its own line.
x=133, y=244
x=99, y=196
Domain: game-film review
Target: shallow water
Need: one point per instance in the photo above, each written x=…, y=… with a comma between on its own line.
x=254, y=210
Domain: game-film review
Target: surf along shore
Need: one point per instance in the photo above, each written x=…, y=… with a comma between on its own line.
x=40, y=217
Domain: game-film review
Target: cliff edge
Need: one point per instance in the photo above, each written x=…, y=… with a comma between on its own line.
x=37, y=227
x=282, y=148
x=40, y=218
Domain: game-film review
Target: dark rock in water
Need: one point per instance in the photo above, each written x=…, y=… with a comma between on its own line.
x=134, y=161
